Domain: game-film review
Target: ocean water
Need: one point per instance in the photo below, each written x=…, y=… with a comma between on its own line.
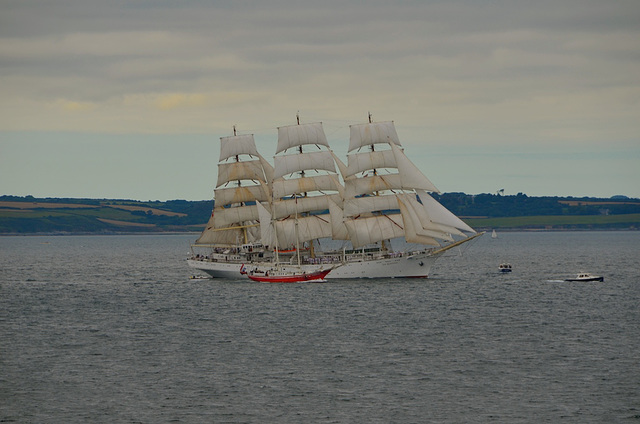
x=101, y=329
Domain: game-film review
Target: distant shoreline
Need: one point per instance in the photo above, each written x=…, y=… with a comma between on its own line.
x=61, y=216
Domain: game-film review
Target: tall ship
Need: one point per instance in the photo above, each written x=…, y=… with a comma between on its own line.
x=370, y=218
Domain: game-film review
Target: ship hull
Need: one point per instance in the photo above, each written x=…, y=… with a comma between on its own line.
x=226, y=270
x=411, y=266
x=406, y=266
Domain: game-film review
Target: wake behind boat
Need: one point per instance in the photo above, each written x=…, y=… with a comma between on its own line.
x=283, y=214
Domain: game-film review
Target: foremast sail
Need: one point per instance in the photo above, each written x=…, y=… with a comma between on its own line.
x=386, y=195
x=243, y=181
x=305, y=182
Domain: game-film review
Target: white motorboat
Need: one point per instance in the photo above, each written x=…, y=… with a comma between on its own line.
x=585, y=276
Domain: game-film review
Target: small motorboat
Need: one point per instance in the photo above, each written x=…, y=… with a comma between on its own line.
x=585, y=276
x=286, y=276
x=505, y=267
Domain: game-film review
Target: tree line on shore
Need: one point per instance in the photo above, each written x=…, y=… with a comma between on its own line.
x=27, y=214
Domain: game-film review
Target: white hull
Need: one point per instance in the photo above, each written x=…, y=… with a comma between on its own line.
x=415, y=266
x=406, y=266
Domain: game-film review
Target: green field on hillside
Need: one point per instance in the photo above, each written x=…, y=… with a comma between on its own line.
x=558, y=222
x=28, y=215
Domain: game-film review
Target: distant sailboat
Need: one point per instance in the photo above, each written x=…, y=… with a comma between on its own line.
x=494, y=235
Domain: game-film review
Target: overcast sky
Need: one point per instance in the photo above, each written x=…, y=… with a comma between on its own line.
x=128, y=99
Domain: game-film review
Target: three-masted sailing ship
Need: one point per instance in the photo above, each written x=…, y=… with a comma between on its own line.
x=293, y=214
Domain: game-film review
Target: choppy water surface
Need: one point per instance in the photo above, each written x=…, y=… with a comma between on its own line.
x=110, y=329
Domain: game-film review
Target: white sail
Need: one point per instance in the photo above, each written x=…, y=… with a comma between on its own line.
x=227, y=216
x=234, y=220
x=253, y=233
x=413, y=233
x=238, y=171
x=289, y=164
x=268, y=169
x=372, y=133
x=311, y=180
x=267, y=231
x=412, y=211
x=228, y=196
x=370, y=160
x=410, y=175
x=225, y=237
x=237, y=145
x=359, y=205
x=341, y=166
x=338, y=228
x=367, y=185
x=283, y=188
x=289, y=207
x=424, y=220
x=308, y=228
x=298, y=135
x=364, y=231
x=440, y=214
x=372, y=198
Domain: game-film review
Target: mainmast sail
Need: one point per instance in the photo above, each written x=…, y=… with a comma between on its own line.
x=305, y=180
x=243, y=181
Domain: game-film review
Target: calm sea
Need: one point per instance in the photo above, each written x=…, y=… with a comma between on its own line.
x=111, y=329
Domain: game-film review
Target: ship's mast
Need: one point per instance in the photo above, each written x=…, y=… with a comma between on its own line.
x=245, y=237
x=383, y=245
x=311, y=247
x=373, y=149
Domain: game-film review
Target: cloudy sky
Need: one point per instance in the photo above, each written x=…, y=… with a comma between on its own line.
x=128, y=99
